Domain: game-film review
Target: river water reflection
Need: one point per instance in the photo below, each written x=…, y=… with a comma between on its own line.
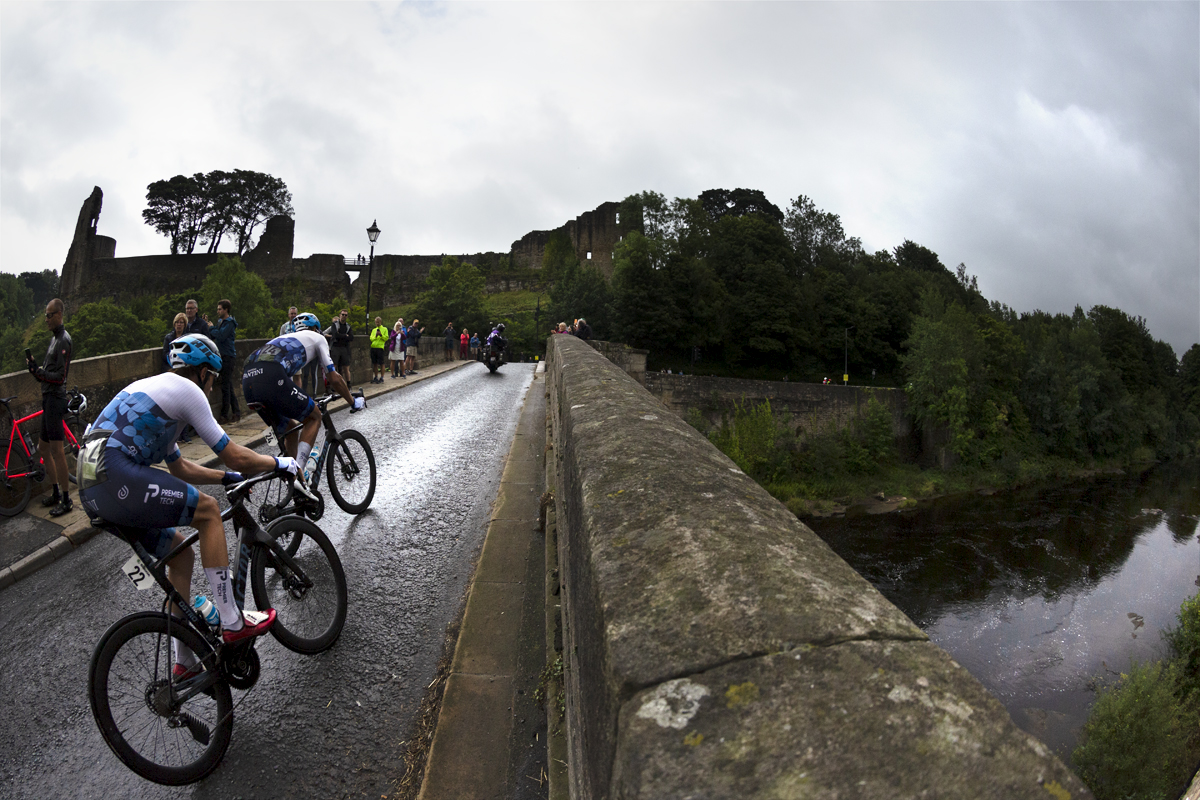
x=1038, y=592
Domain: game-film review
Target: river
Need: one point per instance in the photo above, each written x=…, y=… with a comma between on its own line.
x=1040, y=592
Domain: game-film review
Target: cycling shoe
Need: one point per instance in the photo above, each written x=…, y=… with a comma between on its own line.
x=256, y=624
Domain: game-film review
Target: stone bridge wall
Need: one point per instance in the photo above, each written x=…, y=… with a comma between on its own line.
x=101, y=377
x=716, y=647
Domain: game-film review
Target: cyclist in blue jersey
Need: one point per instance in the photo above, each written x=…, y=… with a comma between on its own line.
x=266, y=379
x=118, y=483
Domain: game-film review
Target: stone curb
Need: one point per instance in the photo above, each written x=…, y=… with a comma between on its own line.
x=468, y=756
x=76, y=532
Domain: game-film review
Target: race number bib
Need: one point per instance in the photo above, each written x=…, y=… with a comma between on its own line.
x=137, y=573
x=270, y=437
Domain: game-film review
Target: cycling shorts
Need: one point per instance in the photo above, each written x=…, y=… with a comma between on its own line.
x=139, y=496
x=282, y=400
x=53, y=411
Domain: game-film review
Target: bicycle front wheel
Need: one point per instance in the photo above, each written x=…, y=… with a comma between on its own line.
x=139, y=712
x=310, y=602
x=351, y=472
x=14, y=491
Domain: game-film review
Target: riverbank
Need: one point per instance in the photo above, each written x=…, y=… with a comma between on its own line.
x=907, y=487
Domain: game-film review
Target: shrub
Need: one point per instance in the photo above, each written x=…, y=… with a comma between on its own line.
x=1140, y=742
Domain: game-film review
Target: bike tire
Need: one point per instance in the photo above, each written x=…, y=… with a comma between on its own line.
x=127, y=675
x=15, y=492
x=344, y=467
x=308, y=620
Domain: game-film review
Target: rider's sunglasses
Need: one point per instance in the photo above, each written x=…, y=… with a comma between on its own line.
x=50, y=314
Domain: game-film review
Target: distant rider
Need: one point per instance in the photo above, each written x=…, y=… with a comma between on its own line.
x=496, y=340
x=266, y=379
x=118, y=482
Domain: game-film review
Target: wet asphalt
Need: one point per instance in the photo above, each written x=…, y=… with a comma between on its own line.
x=332, y=725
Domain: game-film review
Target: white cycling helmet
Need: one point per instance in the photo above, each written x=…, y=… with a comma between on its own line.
x=306, y=321
x=194, y=349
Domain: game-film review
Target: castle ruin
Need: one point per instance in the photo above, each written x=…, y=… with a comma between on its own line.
x=92, y=271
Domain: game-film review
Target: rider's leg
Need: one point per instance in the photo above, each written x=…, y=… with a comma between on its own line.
x=290, y=440
x=179, y=572
x=52, y=456
x=214, y=555
x=308, y=435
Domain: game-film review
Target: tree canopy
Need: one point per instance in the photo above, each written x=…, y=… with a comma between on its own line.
x=202, y=209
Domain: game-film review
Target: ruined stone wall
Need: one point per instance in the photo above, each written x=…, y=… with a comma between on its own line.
x=594, y=234
x=716, y=647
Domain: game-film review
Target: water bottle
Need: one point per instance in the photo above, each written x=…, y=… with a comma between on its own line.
x=205, y=608
x=310, y=466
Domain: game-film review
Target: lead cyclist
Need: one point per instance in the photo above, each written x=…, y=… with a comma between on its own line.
x=266, y=379
x=118, y=482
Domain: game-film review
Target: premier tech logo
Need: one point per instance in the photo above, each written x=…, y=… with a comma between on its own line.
x=167, y=495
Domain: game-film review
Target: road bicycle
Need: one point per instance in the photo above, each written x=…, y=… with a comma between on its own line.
x=344, y=456
x=175, y=730
x=22, y=464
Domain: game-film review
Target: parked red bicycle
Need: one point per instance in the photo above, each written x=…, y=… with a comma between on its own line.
x=22, y=465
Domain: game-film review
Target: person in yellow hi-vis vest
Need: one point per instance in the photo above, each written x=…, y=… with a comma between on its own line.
x=379, y=338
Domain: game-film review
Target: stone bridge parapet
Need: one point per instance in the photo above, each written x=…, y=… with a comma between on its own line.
x=716, y=647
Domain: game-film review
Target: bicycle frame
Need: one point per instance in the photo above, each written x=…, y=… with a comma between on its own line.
x=332, y=437
x=249, y=535
x=17, y=434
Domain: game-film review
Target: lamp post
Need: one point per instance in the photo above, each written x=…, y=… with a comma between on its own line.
x=846, y=366
x=372, y=234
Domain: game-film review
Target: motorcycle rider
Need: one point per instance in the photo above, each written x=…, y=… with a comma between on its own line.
x=496, y=339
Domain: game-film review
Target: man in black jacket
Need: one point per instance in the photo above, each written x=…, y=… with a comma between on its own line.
x=53, y=377
x=340, y=336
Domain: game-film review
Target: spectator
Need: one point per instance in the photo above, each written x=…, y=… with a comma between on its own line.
x=340, y=336
x=562, y=328
x=451, y=338
x=410, y=347
x=288, y=327
x=53, y=377
x=224, y=333
x=379, y=337
x=396, y=347
x=475, y=344
x=464, y=345
x=195, y=324
x=177, y=330
x=582, y=329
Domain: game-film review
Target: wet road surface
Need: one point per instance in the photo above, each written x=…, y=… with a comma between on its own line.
x=332, y=725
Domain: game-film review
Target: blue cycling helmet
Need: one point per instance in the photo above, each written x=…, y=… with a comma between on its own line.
x=194, y=349
x=306, y=321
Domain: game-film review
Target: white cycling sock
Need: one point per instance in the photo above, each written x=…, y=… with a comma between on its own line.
x=183, y=654
x=222, y=594
x=302, y=451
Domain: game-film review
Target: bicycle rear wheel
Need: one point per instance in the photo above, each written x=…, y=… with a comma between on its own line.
x=350, y=469
x=138, y=712
x=310, y=606
x=15, y=491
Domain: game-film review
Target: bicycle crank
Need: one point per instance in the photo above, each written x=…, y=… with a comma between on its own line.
x=241, y=667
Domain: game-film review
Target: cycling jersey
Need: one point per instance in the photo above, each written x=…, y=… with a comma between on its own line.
x=147, y=416
x=137, y=429
x=292, y=352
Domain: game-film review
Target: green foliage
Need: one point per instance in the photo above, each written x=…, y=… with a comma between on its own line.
x=750, y=439
x=17, y=305
x=454, y=294
x=1140, y=741
x=1184, y=640
x=558, y=255
x=43, y=284
x=328, y=312
x=250, y=299
x=104, y=327
x=580, y=292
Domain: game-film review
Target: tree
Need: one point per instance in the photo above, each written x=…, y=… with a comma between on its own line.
x=455, y=294
x=817, y=236
x=104, y=327
x=247, y=293
x=581, y=292
x=44, y=285
x=255, y=198
x=177, y=208
x=204, y=208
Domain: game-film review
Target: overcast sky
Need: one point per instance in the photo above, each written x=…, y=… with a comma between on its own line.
x=1052, y=148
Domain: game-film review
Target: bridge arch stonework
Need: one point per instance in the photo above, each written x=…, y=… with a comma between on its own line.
x=716, y=647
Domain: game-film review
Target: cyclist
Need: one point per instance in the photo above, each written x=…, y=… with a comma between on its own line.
x=266, y=379
x=118, y=483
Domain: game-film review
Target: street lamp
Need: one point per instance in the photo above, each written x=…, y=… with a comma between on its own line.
x=846, y=366
x=372, y=234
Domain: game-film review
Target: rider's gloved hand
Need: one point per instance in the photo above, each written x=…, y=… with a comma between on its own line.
x=359, y=404
x=287, y=464
x=231, y=478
